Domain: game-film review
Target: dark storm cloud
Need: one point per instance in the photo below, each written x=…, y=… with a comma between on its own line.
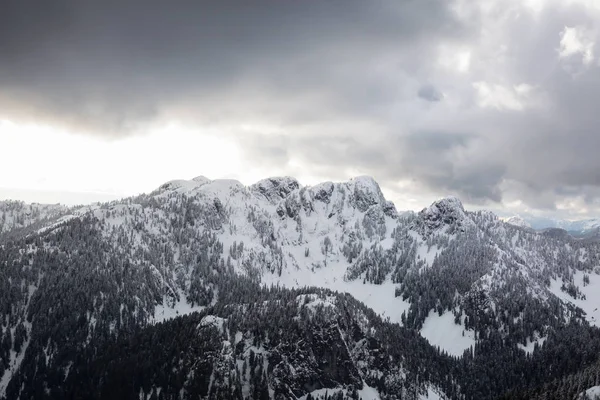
x=109, y=66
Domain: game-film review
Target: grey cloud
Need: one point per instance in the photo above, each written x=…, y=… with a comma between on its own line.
x=430, y=93
x=551, y=144
x=436, y=142
x=344, y=81
x=444, y=161
x=431, y=159
x=267, y=149
x=550, y=148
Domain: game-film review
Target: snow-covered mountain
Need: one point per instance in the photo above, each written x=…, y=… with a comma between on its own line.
x=517, y=220
x=577, y=227
x=580, y=226
x=17, y=214
x=469, y=283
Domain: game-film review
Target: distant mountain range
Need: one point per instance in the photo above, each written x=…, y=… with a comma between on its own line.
x=215, y=290
x=578, y=228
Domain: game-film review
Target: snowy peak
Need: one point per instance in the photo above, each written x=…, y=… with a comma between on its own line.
x=516, y=220
x=449, y=203
x=201, y=184
x=286, y=193
x=366, y=192
x=182, y=185
x=276, y=188
x=448, y=211
x=201, y=180
x=363, y=190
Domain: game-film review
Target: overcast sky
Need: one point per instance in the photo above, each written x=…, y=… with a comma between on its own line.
x=494, y=101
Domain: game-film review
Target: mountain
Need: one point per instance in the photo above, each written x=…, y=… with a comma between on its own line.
x=580, y=227
x=577, y=228
x=278, y=289
x=15, y=215
x=517, y=220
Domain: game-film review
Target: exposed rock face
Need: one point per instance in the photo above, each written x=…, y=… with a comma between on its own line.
x=275, y=189
x=366, y=193
x=447, y=214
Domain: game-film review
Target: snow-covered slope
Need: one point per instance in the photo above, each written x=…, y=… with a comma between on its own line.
x=443, y=332
x=17, y=214
x=585, y=293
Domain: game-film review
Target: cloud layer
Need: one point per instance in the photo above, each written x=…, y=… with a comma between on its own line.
x=495, y=102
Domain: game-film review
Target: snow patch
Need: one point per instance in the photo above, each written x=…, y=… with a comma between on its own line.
x=591, y=393
x=431, y=395
x=166, y=311
x=212, y=320
x=58, y=222
x=591, y=291
x=381, y=298
x=366, y=393
x=530, y=346
x=441, y=331
x=427, y=254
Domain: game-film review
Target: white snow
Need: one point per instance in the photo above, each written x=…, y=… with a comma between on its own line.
x=424, y=252
x=591, y=304
x=321, y=393
x=443, y=332
x=59, y=221
x=182, y=185
x=212, y=320
x=531, y=344
x=165, y=311
x=366, y=393
x=590, y=393
x=431, y=395
x=427, y=254
x=380, y=298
